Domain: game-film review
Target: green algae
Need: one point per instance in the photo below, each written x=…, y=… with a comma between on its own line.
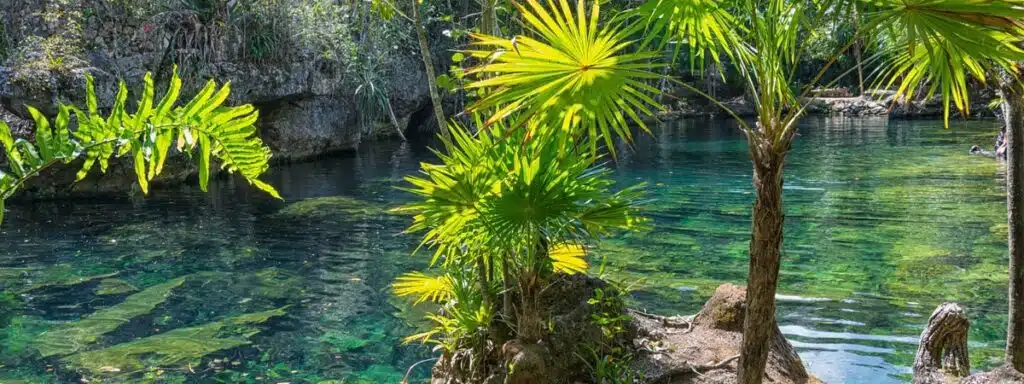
x=274, y=283
x=178, y=348
x=114, y=286
x=77, y=335
x=63, y=282
x=326, y=207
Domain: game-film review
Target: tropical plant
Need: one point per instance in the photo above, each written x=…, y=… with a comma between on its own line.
x=572, y=74
x=935, y=46
x=204, y=125
x=512, y=211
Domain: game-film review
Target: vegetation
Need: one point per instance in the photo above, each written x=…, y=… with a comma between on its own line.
x=537, y=201
x=521, y=194
x=933, y=45
x=218, y=132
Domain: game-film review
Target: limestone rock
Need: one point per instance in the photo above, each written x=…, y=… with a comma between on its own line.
x=705, y=349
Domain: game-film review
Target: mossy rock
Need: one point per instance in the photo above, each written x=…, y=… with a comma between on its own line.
x=114, y=286
x=341, y=342
x=1000, y=230
x=325, y=207
x=178, y=348
x=275, y=283
x=77, y=335
x=57, y=277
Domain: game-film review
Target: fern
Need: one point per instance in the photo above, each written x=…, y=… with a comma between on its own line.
x=204, y=125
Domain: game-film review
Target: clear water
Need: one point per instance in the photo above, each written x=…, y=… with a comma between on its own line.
x=885, y=220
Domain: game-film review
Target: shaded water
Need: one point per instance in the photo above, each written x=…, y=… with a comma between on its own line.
x=884, y=221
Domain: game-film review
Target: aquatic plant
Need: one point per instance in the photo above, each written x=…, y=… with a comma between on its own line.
x=203, y=124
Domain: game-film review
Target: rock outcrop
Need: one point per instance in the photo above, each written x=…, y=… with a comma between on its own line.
x=663, y=350
x=879, y=103
x=307, y=101
x=705, y=348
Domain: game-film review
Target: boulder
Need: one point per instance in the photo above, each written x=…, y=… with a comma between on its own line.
x=307, y=101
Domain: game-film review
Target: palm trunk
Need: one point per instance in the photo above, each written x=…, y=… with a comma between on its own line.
x=489, y=17
x=1013, y=113
x=483, y=280
x=765, y=252
x=856, y=53
x=428, y=62
x=506, y=285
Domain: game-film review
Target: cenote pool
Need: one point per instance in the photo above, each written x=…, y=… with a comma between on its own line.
x=885, y=220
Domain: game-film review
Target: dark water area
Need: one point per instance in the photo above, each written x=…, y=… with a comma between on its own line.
x=885, y=220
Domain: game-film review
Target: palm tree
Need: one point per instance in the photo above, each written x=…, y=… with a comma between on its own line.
x=428, y=66
x=1010, y=89
x=503, y=209
x=934, y=46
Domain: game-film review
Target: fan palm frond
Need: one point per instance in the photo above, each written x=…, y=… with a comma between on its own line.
x=424, y=287
x=568, y=258
x=573, y=73
x=937, y=45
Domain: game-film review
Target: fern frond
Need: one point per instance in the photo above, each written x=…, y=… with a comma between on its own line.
x=223, y=134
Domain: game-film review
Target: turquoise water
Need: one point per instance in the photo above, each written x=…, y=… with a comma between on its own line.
x=885, y=220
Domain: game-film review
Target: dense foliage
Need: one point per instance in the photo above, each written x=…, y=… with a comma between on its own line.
x=507, y=211
x=569, y=71
x=204, y=124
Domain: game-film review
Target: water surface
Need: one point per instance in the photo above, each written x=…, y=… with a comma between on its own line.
x=885, y=220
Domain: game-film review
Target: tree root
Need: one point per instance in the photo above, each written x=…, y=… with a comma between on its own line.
x=699, y=370
x=669, y=322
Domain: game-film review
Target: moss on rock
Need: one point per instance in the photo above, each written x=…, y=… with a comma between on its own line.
x=77, y=335
x=114, y=286
x=324, y=207
x=175, y=349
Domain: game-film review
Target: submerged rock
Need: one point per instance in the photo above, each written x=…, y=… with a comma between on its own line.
x=114, y=286
x=179, y=348
x=77, y=335
x=328, y=207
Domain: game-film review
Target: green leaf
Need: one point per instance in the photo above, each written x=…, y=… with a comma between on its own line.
x=574, y=74
x=457, y=57
x=140, y=166
x=90, y=96
x=204, y=161
x=146, y=104
x=13, y=156
x=171, y=96
x=44, y=135
x=64, y=148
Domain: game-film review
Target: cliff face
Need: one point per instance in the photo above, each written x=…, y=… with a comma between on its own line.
x=304, y=64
